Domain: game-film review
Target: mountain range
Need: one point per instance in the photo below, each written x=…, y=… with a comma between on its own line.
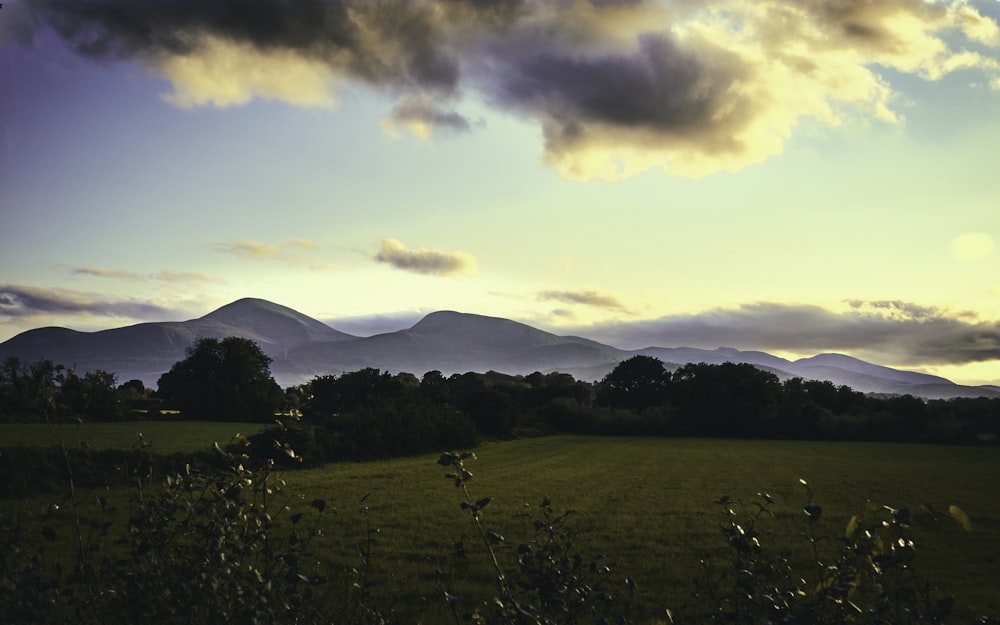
x=302, y=347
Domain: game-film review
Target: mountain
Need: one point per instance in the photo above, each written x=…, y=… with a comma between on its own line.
x=451, y=342
x=147, y=350
x=273, y=324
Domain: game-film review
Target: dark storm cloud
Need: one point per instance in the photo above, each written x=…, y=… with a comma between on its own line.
x=24, y=301
x=909, y=333
x=660, y=87
x=349, y=35
x=617, y=86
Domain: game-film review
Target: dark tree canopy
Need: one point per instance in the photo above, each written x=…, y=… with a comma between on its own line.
x=227, y=380
x=637, y=383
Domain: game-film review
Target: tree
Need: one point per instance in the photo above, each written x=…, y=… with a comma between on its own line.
x=93, y=396
x=331, y=395
x=731, y=399
x=227, y=380
x=637, y=383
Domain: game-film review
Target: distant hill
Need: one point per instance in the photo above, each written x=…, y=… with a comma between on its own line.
x=448, y=341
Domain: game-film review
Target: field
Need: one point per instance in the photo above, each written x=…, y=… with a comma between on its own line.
x=648, y=504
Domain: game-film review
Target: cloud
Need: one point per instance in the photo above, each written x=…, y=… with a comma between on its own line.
x=422, y=117
x=187, y=277
x=586, y=297
x=247, y=249
x=295, y=252
x=116, y=274
x=164, y=276
x=617, y=88
x=24, y=301
x=902, y=332
x=425, y=261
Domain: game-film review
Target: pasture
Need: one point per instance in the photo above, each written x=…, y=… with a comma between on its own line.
x=648, y=504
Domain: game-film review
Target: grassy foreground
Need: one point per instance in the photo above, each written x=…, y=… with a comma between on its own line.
x=647, y=503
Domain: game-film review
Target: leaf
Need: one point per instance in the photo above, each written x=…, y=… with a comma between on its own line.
x=447, y=459
x=813, y=511
x=902, y=515
x=852, y=526
x=959, y=515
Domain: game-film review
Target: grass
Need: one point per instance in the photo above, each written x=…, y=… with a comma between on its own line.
x=648, y=504
x=645, y=502
x=165, y=436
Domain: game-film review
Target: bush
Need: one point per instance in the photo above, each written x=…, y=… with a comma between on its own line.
x=867, y=575
x=198, y=546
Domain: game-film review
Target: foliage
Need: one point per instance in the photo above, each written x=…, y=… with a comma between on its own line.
x=226, y=540
x=199, y=546
x=354, y=413
x=867, y=575
x=227, y=380
x=637, y=383
x=42, y=391
x=549, y=581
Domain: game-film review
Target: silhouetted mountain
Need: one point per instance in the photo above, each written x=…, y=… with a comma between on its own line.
x=453, y=342
x=854, y=366
x=146, y=350
x=450, y=342
x=272, y=323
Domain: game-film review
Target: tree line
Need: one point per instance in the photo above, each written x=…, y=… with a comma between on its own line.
x=371, y=413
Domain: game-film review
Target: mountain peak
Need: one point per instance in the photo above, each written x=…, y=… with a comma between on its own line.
x=273, y=322
x=247, y=306
x=856, y=365
x=496, y=331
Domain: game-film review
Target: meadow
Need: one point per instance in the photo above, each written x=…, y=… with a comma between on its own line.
x=647, y=504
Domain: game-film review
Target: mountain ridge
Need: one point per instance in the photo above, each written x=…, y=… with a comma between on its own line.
x=449, y=341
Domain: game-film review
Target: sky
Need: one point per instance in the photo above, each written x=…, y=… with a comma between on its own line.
x=793, y=176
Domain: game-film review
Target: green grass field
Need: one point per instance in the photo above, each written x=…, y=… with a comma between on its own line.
x=647, y=503
x=165, y=436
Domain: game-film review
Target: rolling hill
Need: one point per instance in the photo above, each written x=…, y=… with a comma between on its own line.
x=452, y=342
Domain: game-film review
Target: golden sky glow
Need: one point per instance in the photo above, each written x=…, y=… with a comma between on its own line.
x=792, y=177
